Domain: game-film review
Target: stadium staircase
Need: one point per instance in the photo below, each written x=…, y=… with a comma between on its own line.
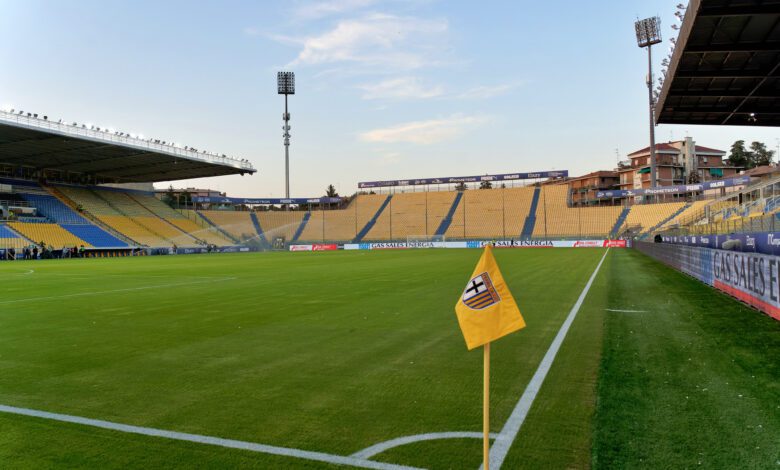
x=373, y=220
x=447, y=220
x=209, y=223
x=122, y=238
x=663, y=222
x=259, y=229
x=530, y=219
x=619, y=222
x=304, y=221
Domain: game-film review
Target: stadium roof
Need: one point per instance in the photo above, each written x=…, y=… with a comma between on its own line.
x=725, y=66
x=106, y=156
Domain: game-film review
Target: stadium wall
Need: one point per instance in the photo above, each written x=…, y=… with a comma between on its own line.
x=753, y=278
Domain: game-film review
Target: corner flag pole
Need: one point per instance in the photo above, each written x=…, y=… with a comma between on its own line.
x=486, y=409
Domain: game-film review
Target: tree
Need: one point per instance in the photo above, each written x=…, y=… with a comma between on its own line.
x=485, y=185
x=760, y=154
x=169, y=197
x=460, y=186
x=739, y=156
x=330, y=191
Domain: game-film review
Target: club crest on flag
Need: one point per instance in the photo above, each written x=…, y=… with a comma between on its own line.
x=480, y=293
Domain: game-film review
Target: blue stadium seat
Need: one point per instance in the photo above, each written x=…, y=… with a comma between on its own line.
x=54, y=209
x=5, y=232
x=94, y=235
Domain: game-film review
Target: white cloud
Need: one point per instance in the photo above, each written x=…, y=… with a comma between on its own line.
x=400, y=88
x=424, y=132
x=315, y=10
x=483, y=92
x=377, y=40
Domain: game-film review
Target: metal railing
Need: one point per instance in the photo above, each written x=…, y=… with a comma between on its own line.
x=109, y=136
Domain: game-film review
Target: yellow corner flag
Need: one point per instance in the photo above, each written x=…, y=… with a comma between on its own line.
x=486, y=310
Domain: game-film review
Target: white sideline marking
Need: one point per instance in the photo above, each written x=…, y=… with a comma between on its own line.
x=624, y=311
x=129, y=289
x=208, y=440
x=375, y=449
x=508, y=433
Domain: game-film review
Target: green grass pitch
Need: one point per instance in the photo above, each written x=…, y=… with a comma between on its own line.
x=335, y=352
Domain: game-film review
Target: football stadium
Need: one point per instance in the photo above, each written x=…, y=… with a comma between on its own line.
x=619, y=318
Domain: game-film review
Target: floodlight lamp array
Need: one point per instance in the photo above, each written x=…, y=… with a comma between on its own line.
x=286, y=83
x=648, y=31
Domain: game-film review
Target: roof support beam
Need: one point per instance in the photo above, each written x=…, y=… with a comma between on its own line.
x=726, y=48
x=755, y=89
x=740, y=10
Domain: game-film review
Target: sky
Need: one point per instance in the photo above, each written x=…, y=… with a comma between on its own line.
x=385, y=89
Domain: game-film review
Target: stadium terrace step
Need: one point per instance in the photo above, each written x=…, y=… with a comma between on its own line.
x=371, y=222
x=94, y=235
x=619, y=222
x=663, y=222
x=259, y=229
x=305, y=220
x=89, y=217
x=219, y=229
x=53, y=209
x=447, y=220
x=530, y=219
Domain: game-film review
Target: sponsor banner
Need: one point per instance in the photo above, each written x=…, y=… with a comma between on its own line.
x=324, y=247
x=767, y=243
x=682, y=188
x=199, y=250
x=753, y=278
x=465, y=179
x=266, y=201
x=498, y=244
x=301, y=247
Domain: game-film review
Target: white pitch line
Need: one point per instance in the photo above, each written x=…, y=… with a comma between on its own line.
x=508, y=433
x=208, y=440
x=129, y=289
x=376, y=449
x=624, y=311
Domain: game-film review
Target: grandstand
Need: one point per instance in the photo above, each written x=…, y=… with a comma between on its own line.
x=554, y=217
x=57, y=200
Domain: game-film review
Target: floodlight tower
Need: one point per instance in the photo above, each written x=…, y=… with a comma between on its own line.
x=648, y=32
x=285, y=82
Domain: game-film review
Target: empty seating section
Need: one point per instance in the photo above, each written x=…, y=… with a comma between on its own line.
x=54, y=209
x=9, y=239
x=340, y=224
x=164, y=211
x=517, y=205
x=94, y=235
x=50, y=234
x=647, y=216
x=408, y=213
x=123, y=213
x=554, y=218
x=279, y=223
x=491, y=213
x=208, y=235
x=236, y=223
x=315, y=227
x=693, y=208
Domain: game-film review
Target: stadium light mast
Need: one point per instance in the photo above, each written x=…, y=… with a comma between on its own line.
x=648, y=33
x=285, y=82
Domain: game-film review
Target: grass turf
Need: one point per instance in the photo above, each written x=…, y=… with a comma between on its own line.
x=329, y=352
x=334, y=352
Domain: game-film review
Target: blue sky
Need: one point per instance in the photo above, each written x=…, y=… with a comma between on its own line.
x=385, y=89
